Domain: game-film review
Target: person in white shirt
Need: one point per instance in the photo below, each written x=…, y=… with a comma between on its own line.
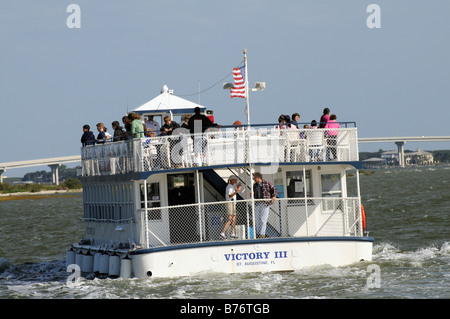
x=150, y=123
x=230, y=197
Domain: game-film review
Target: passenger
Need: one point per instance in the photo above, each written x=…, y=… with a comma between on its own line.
x=152, y=124
x=262, y=189
x=282, y=122
x=237, y=123
x=324, y=118
x=238, y=129
x=195, y=120
x=149, y=133
x=101, y=137
x=303, y=133
x=108, y=136
x=287, y=118
x=127, y=125
x=167, y=130
x=314, y=154
x=185, y=124
x=332, y=138
x=169, y=126
x=288, y=122
x=295, y=119
x=137, y=127
x=199, y=123
x=88, y=137
x=119, y=134
x=231, y=191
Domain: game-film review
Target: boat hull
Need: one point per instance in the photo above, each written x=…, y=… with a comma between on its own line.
x=242, y=256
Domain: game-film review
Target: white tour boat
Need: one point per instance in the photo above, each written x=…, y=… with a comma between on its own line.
x=152, y=210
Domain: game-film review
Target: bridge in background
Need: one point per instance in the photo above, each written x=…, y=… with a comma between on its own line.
x=55, y=162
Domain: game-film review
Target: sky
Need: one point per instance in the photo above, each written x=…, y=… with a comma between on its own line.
x=392, y=80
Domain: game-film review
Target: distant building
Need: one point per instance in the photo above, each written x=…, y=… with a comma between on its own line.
x=419, y=158
x=411, y=158
x=390, y=158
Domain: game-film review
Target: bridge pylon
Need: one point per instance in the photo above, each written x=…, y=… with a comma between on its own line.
x=55, y=176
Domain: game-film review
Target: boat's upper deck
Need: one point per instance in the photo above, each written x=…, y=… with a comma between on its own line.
x=225, y=146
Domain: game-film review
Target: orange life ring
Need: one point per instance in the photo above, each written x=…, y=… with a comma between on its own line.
x=363, y=217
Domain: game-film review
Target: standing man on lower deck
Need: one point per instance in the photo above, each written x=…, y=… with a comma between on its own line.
x=262, y=189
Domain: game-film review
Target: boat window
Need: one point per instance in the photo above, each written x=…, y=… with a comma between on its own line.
x=331, y=188
x=181, y=190
x=153, y=200
x=295, y=185
x=331, y=185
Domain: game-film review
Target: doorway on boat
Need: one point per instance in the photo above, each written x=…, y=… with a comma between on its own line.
x=182, y=220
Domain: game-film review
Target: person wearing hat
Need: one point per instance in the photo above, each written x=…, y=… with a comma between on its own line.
x=231, y=191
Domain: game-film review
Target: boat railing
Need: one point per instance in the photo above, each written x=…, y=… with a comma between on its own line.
x=221, y=147
x=287, y=218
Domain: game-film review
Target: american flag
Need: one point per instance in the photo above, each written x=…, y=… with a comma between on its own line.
x=238, y=90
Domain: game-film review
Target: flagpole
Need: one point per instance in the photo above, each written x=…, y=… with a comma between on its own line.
x=247, y=104
x=247, y=111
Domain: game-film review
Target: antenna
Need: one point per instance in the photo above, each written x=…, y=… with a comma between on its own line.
x=199, y=92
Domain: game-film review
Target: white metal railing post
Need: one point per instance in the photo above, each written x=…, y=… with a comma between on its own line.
x=306, y=201
x=147, y=239
x=200, y=221
x=358, y=209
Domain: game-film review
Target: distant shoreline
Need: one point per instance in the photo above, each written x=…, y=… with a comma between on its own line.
x=37, y=195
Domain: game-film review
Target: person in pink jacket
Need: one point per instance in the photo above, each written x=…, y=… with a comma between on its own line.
x=324, y=118
x=331, y=136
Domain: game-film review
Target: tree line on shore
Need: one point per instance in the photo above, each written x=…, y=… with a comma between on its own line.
x=41, y=181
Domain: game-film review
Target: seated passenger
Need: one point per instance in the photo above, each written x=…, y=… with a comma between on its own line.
x=169, y=126
x=282, y=122
x=149, y=133
x=303, y=133
x=295, y=119
x=288, y=122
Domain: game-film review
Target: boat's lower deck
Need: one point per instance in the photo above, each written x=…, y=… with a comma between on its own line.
x=231, y=256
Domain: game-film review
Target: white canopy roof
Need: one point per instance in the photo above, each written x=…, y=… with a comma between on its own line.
x=166, y=102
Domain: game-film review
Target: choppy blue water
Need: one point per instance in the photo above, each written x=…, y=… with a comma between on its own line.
x=408, y=214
